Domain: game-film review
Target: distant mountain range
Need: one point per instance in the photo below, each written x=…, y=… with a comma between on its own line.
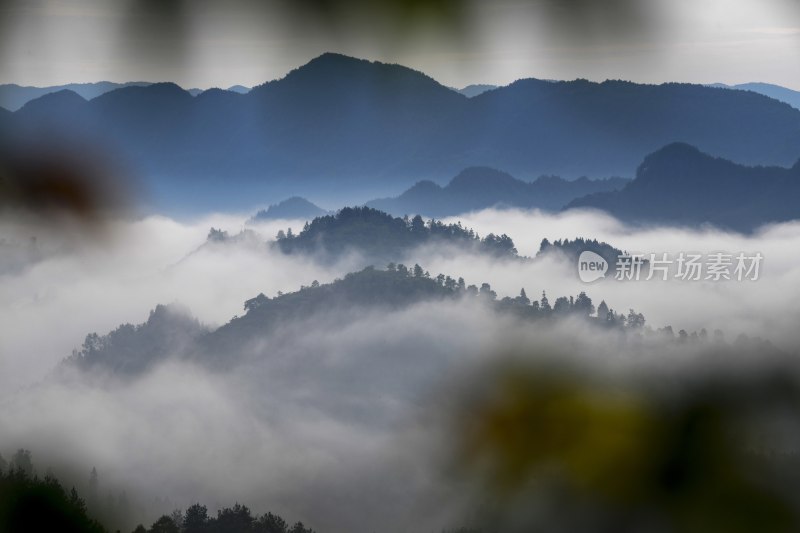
x=679, y=184
x=472, y=189
x=339, y=127
x=481, y=187
x=291, y=208
x=13, y=97
x=777, y=92
x=474, y=90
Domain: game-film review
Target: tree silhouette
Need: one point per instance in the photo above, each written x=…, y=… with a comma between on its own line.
x=583, y=305
x=544, y=305
x=561, y=306
x=21, y=461
x=165, y=524
x=270, y=523
x=602, y=310
x=523, y=298
x=635, y=320
x=236, y=519
x=196, y=519
x=93, y=485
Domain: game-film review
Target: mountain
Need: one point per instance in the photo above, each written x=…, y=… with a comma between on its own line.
x=13, y=97
x=572, y=250
x=58, y=105
x=679, y=184
x=132, y=349
x=777, y=92
x=481, y=187
x=474, y=90
x=381, y=238
x=170, y=331
x=340, y=126
x=585, y=128
x=241, y=89
x=294, y=207
x=351, y=121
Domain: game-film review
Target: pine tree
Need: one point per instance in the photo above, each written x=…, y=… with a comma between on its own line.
x=523, y=298
x=602, y=310
x=544, y=305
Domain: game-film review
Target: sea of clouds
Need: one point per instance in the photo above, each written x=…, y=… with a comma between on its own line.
x=336, y=426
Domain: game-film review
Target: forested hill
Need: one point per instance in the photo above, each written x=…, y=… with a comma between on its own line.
x=383, y=238
x=130, y=350
x=573, y=248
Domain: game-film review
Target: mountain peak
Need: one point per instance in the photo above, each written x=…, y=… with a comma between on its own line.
x=64, y=97
x=294, y=207
x=332, y=67
x=335, y=58
x=330, y=64
x=478, y=177
x=674, y=154
x=680, y=183
x=423, y=186
x=677, y=148
x=165, y=91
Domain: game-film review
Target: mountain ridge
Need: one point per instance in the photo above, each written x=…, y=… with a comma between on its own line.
x=777, y=92
x=682, y=184
x=338, y=125
x=477, y=188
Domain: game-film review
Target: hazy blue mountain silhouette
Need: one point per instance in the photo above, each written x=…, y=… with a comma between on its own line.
x=241, y=89
x=474, y=90
x=45, y=117
x=63, y=103
x=294, y=207
x=13, y=97
x=682, y=185
x=351, y=118
x=339, y=124
x=777, y=92
x=481, y=187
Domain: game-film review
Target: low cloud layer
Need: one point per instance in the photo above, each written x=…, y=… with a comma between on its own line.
x=337, y=426
x=767, y=307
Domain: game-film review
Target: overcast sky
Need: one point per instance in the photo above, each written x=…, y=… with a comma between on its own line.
x=204, y=43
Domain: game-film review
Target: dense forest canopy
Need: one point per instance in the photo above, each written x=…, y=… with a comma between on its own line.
x=170, y=330
x=31, y=503
x=384, y=237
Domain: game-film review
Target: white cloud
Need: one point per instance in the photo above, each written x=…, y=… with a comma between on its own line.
x=330, y=420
